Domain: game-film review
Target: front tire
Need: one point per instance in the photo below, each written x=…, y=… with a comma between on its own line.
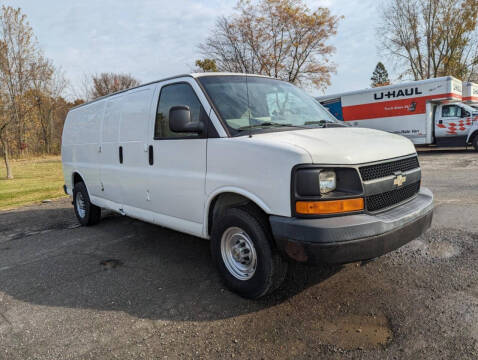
x=475, y=143
x=86, y=213
x=241, y=247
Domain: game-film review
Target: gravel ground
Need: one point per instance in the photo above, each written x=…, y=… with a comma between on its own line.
x=126, y=289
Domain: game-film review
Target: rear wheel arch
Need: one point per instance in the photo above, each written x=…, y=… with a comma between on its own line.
x=76, y=178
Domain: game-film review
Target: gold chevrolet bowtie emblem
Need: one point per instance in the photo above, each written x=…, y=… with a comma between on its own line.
x=399, y=180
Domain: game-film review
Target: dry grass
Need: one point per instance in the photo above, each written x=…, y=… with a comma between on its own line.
x=35, y=180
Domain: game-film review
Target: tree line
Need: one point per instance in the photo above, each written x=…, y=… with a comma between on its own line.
x=33, y=106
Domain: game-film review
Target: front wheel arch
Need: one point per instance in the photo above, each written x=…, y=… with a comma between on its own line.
x=225, y=200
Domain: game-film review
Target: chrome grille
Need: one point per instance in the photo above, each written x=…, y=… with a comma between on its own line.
x=377, y=171
x=390, y=198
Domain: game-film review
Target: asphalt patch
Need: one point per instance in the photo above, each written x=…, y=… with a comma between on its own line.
x=110, y=264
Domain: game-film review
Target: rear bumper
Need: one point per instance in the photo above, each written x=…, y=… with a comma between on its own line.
x=352, y=238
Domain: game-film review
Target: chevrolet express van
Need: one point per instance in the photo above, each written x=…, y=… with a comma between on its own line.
x=251, y=163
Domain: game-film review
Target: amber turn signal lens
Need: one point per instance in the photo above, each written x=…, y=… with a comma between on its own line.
x=329, y=206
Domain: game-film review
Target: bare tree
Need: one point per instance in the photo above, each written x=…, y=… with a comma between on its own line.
x=31, y=102
x=19, y=54
x=107, y=83
x=279, y=38
x=5, y=120
x=431, y=38
x=46, y=92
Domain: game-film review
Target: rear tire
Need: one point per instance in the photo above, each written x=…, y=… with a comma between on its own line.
x=475, y=143
x=86, y=213
x=242, y=249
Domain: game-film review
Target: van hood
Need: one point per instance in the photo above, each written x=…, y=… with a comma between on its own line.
x=344, y=145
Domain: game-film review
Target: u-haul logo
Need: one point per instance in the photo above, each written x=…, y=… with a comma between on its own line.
x=391, y=94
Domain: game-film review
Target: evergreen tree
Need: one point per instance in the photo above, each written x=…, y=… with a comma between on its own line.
x=380, y=76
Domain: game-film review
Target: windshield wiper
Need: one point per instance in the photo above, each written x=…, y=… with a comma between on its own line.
x=323, y=123
x=265, y=124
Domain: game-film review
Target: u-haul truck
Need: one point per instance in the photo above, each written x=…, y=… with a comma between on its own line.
x=470, y=94
x=427, y=111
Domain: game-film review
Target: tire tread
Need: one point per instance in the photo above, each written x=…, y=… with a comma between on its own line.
x=257, y=220
x=93, y=212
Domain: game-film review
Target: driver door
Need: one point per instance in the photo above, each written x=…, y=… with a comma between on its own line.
x=448, y=120
x=177, y=170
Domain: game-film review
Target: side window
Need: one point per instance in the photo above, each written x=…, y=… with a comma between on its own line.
x=451, y=111
x=175, y=95
x=464, y=113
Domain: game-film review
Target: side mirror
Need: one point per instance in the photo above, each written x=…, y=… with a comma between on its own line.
x=180, y=121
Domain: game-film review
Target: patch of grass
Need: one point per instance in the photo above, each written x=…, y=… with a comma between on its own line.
x=35, y=180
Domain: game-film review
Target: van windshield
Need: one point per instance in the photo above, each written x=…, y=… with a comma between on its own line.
x=253, y=102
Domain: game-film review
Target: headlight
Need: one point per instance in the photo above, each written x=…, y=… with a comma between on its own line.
x=314, y=182
x=324, y=191
x=327, y=181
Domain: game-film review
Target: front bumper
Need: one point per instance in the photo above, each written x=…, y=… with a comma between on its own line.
x=350, y=238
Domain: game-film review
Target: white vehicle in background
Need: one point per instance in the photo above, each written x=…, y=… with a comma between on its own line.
x=251, y=163
x=427, y=112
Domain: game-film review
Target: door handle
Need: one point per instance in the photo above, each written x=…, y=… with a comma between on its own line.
x=121, y=154
x=151, y=155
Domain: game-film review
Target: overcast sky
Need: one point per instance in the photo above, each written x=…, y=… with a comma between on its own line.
x=152, y=39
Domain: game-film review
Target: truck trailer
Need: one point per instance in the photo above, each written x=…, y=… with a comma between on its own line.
x=470, y=94
x=427, y=111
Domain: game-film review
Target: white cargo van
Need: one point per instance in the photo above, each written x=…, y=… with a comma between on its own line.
x=251, y=163
x=427, y=112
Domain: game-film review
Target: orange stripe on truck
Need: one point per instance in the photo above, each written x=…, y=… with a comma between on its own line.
x=391, y=108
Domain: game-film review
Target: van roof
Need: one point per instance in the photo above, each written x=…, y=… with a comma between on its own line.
x=193, y=75
x=196, y=75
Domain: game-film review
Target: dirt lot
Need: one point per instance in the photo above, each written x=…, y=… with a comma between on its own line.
x=126, y=289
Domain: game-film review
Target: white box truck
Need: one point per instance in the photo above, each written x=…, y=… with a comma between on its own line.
x=470, y=94
x=251, y=163
x=427, y=112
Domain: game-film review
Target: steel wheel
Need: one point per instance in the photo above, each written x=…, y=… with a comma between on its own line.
x=238, y=253
x=80, y=204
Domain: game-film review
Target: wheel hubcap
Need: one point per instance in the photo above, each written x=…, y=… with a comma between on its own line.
x=80, y=204
x=238, y=253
